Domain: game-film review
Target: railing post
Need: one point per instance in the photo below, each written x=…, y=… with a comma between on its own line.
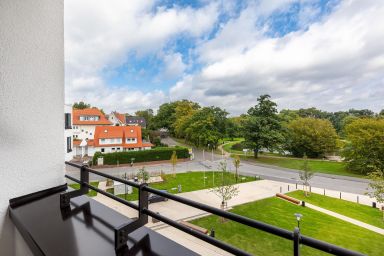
x=296, y=242
x=84, y=178
x=65, y=197
x=143, y=203
x=122, y=232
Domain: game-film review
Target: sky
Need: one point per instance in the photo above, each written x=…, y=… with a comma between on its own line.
x=130, y=55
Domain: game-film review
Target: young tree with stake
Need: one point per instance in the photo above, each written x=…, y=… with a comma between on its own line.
x=306, y=175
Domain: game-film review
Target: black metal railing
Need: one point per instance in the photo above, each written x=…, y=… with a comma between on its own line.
x=121, y=233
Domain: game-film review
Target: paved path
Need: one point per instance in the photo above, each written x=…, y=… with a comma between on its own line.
x=347, y=219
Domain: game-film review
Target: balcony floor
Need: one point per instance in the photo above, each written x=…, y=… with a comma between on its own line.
x=86, y=230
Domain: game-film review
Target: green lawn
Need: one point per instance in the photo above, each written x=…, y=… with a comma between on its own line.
x=230, y=140
x=91, y=193
x=189, y=181
x=228, y=148
x=337, y=168
x=281, y=213
x=356, y=211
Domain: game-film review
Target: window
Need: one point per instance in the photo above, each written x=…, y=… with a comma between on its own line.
x=118, y=149
x=67, y=121
x=90, y=133
x=69, y=144
x=113, y=149
x=102, y=150
x=82, y=130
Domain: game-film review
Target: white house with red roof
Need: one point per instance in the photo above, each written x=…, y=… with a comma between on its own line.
x=116, y=118
x=109, y=139
x=85, y=121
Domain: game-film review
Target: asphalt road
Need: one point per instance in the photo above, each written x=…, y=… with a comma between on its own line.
x=203, y=161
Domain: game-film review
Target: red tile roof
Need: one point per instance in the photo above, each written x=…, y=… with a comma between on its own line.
x=121, y=117
x=106, y=132
x=123, y=132
x=89, y=112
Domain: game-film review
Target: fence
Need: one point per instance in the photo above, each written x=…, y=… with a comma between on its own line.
x=121, y=234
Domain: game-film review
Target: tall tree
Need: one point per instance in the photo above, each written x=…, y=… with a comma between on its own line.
x=81, y=105
x=262, y=127
x=183, y=112
x=311, y=136
x=364, y=151
x=206, y=126
x=165, y=117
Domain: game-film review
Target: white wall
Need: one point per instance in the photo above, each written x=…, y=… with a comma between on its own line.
x=31, y=105
x=84, y=131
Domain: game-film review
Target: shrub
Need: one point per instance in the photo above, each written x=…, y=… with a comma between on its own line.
x=156, y=154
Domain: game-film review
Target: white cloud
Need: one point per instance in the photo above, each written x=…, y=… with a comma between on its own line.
x=337, y=63
x=99, y=35
x=174, y=66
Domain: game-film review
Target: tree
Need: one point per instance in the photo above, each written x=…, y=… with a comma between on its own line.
x=206, y=126
x=148, y=116
x=236, y=163
x=81, y=105
x=174, y=162
x=306, y=175
x=232, y=128
x=311, y=136
x=364, y=151
x=377, y=186
x=261, y=127
x=165, y=117
x=183, y=112
x=143, y=175
x=225, y=190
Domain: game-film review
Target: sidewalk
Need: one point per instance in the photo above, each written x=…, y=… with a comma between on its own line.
x=347, y=219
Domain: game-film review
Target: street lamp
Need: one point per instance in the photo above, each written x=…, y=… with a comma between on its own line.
x=298, y=218
x=132, y=159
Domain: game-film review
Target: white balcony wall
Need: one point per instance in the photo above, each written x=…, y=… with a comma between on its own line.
x=31, y=106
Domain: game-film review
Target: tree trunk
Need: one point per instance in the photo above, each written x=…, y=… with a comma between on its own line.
x=236, y=175
x=255, y=152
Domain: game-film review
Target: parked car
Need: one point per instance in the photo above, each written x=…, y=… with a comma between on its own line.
x=153, y=198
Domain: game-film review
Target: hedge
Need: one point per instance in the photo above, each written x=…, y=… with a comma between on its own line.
x=156, y=154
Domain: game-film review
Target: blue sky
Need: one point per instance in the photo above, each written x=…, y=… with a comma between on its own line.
x=128, y=55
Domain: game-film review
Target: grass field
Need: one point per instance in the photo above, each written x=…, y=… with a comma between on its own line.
x=337, y=168
x=356, y=211
x=281, y=213
x=91, y=192
x=227, y=148
x=189, y=181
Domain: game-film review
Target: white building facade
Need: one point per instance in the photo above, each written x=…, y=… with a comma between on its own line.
x=68, y=133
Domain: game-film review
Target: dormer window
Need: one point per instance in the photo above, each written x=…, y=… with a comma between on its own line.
x=105, y=130
x=131, y=131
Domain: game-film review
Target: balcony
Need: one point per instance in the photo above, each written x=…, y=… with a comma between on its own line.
x=61, y=222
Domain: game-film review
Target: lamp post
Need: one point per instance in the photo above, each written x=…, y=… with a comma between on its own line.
x=132, y=159
x=298, y=218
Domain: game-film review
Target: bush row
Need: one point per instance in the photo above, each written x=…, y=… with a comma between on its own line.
x=156, y=154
